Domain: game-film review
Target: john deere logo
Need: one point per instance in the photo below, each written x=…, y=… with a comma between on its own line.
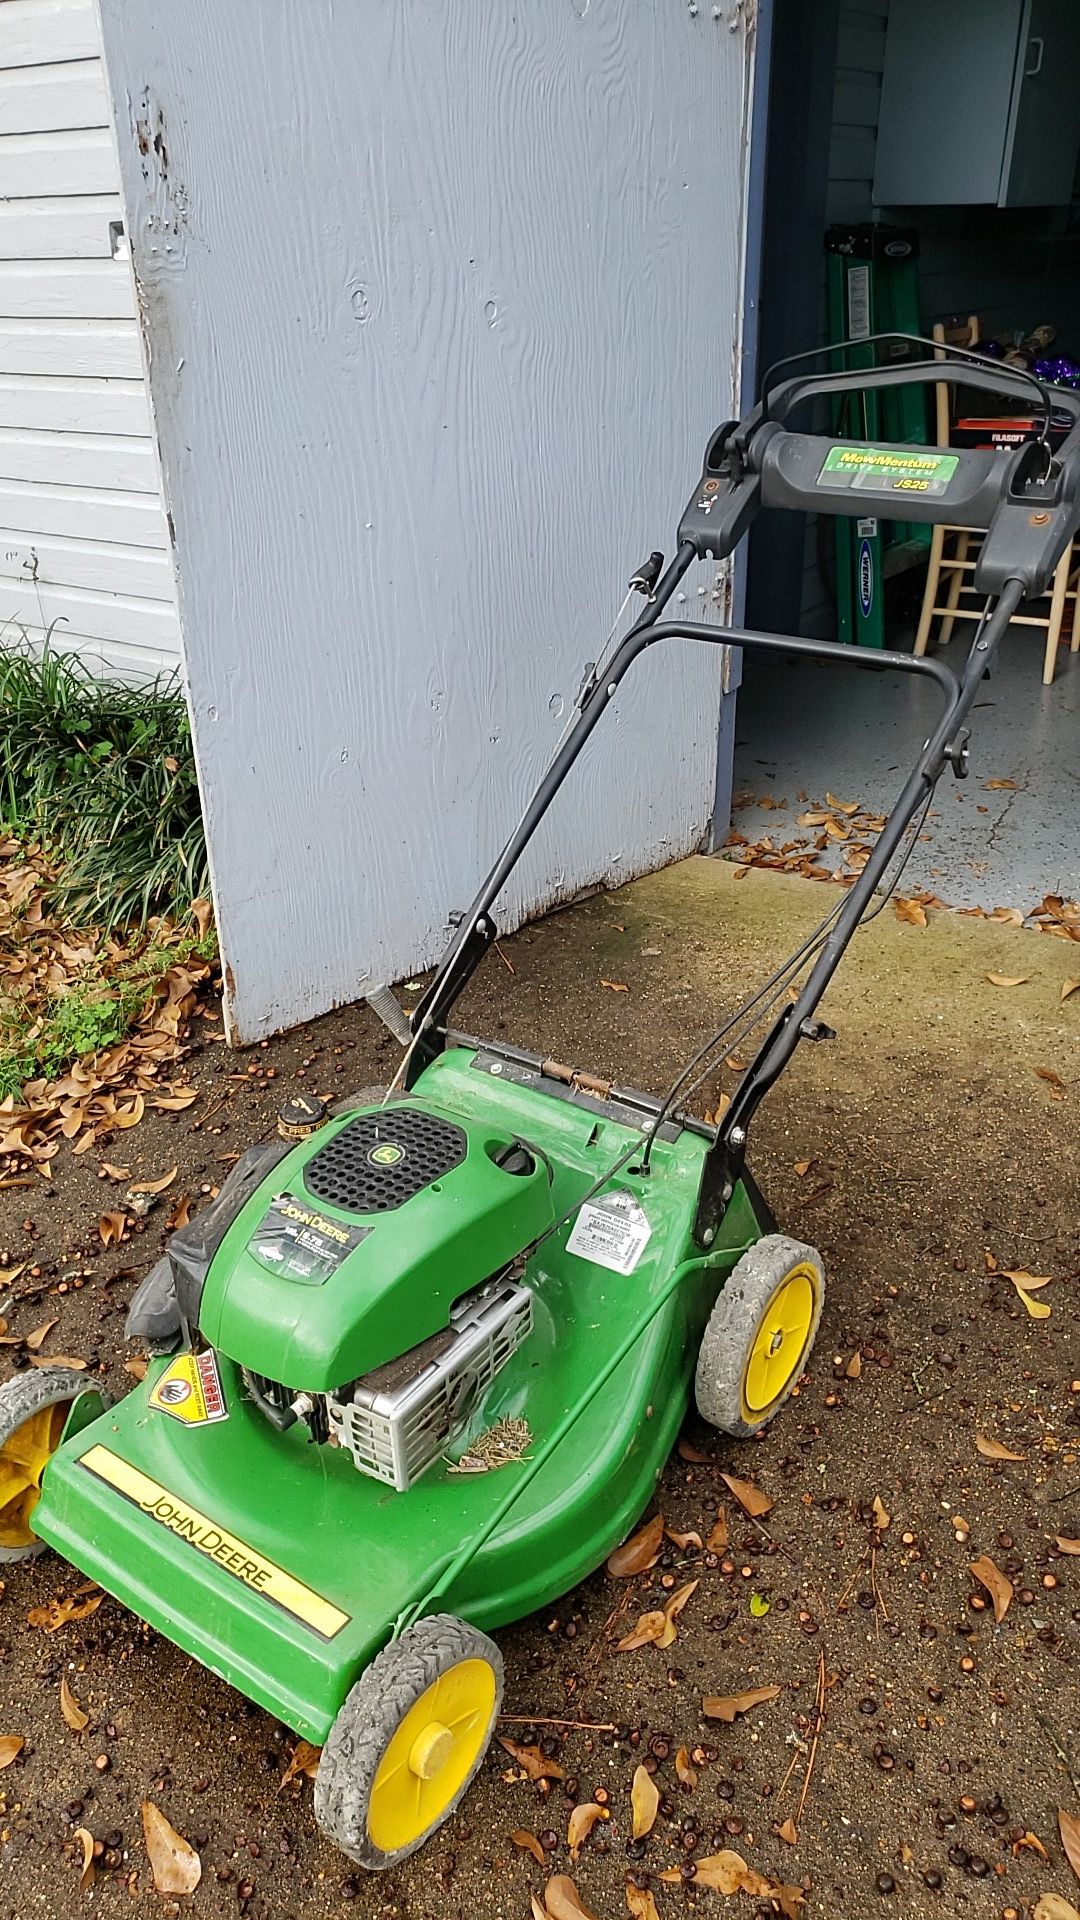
x=387, y=1154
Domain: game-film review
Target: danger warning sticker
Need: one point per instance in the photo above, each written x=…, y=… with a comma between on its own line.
x=190, y=1390
x=612, y=1233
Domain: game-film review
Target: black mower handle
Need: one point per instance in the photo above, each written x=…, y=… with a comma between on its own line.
x=984, y=376
x=1028, y=504
x=1027, y=501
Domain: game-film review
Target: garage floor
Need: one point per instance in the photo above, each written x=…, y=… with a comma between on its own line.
x=812, y=729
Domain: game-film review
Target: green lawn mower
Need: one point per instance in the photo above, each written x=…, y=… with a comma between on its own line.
x=418, y=1367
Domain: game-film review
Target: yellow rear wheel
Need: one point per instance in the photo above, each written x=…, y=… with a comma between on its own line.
x=781, y=1340
x=408, y=1740
x=34, y=1407
x=759, y=1335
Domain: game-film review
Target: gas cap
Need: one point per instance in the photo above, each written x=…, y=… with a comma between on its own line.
x=302, y=1114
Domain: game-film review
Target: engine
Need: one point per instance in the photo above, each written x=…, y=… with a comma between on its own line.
x=396, y=1421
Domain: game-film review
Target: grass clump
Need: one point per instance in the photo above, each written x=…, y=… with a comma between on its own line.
x=102, y=775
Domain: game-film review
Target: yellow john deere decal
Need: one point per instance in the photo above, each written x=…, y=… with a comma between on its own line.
x=237, y=1558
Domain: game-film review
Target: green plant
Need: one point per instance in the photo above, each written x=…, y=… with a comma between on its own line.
x=87, y=1019
x=103, y=775
x=41, y=1034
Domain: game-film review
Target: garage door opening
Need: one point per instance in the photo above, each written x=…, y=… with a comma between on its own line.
x=922, y=174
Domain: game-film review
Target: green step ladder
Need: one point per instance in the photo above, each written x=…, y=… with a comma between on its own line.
x=873, y=287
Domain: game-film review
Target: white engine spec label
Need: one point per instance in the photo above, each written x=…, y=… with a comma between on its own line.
x=612, y=1232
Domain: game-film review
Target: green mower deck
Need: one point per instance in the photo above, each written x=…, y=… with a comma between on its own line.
x=282, y=1568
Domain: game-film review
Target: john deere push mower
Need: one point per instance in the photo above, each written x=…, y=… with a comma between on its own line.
x=418, y=1368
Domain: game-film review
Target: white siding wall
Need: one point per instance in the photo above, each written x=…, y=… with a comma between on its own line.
x=83, y=540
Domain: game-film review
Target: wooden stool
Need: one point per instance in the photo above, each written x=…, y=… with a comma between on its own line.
x=952, y=560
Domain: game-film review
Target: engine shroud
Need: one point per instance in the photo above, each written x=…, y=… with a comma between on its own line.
x=357, y=1244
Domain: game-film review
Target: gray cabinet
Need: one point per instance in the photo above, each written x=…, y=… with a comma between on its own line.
x=980, y=104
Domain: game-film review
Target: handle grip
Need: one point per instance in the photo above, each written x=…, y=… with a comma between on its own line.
x=988, y=377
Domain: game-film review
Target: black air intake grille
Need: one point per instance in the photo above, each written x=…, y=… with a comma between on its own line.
x=380, y=1160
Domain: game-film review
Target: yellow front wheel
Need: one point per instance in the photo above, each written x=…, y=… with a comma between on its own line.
x=33, y=1409
x=759, y=1335
x=409, y=1740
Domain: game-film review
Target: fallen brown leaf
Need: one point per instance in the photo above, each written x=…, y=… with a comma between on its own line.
x=1069, y=1829
x=753, y=1502
x=11, y=1745
x=997, y=1584
x=1037, y=1309
x=847, y=807
x=57, y=1360
x=1030, y=1843
x=1007, y=979
x=802, y=1167
x=1030, y=1282
x=648, y=1630
x=640, y=1902
x=787, y=1831
x=881, y=1518
x=638, y=1553
x=789, y=1899
x=688, y=1451
x=1065, y=1545
x=1053, y=1907
x=993, y=1449
x=111, y=1228
x=615, y=986
x=684, y=1771
x=73, y=1714
x=563, y=1901
x=303, y=1761
x=718, y=1533
x=644, y=1802
x=684, y=1540
x=86, y=1841
x=909, y=911
x=116, y=1173
x=35, y=1340
x=537, y=1911
x=1069, y=987
x=725, y=1706
x=535, y=1764
x=181, y=1213
x=582, y=1821
x=136, y=1366
x=853, y=1370
x=671, y=1611
x=529, y=1843
x=1054, y=1080
x=723, y=1872
x=173, y=1102
x=8, y=1274
x=176, y=1865
x=57, y=1613
x=155, y=1186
